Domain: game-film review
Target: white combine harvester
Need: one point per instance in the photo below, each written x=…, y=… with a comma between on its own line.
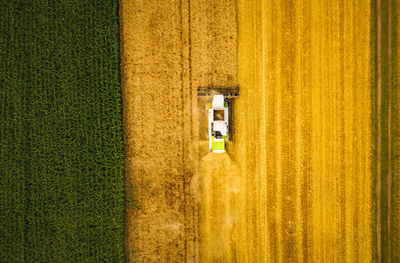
x=219, y=111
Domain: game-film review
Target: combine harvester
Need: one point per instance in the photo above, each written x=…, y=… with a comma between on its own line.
x=219, y=109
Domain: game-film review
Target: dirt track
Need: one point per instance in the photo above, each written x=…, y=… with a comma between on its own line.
x=396, y=226
x=296, y=186
x=387, y=133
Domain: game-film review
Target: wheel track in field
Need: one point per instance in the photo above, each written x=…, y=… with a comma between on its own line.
x=379, y=92
x=389, y=175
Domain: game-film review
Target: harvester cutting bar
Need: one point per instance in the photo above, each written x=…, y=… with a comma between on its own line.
x=228, y=92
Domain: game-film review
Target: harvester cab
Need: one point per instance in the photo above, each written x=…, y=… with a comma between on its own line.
x=219, y=109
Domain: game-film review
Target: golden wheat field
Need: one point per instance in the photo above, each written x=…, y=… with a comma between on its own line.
x=303, y=136
x=296, y=184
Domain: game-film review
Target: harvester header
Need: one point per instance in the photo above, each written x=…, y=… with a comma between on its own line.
x=227, y=92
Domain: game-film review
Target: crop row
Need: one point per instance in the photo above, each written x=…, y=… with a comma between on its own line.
x=61, y=164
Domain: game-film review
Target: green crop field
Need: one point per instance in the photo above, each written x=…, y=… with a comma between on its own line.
x=61, y=147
